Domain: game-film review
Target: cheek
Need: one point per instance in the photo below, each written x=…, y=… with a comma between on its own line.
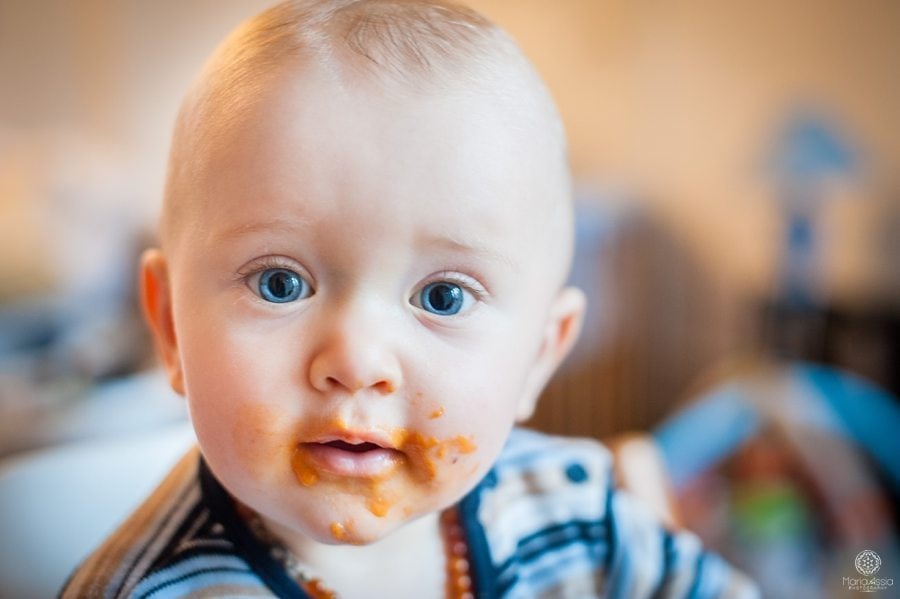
x=476, y=409
x=480, y=395
x=484, y=384
x=240, y=405
x=262, y=435
x=228, y=362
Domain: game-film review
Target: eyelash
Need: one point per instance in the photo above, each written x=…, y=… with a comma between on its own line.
x=267, y=263
x=466, y=282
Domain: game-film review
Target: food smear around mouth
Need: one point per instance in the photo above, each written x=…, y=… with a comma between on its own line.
x=437, y=413
x=423, y=454
x=304, y=472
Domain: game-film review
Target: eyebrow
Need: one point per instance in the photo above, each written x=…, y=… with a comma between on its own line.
x=280, y=225
x=455, y=245
x=442, y=242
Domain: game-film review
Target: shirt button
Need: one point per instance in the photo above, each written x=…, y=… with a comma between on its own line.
x=576, y=473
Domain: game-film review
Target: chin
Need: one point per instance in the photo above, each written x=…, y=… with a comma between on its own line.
x=353, y=528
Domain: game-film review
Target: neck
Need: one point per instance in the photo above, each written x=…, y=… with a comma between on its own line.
x=359, y=570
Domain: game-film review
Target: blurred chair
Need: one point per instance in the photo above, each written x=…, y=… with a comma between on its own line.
x=57, y=504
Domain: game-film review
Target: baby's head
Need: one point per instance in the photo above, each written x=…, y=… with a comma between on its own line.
x=365, y=238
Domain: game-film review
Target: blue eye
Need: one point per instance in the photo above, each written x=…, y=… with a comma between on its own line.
x=279, y=285
x=442, y=298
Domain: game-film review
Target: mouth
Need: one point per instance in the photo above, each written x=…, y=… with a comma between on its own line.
x=353, y=447
x=352, y=456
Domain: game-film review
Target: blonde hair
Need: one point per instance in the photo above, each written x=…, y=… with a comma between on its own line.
x=400, y=37
x=422, y=45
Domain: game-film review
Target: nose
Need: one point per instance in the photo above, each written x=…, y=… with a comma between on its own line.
x=354, y=355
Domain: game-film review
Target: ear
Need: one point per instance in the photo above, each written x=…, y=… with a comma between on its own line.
x=560, y=334
x=156, y=300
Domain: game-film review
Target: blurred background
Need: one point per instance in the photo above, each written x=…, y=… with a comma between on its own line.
x=738, y=176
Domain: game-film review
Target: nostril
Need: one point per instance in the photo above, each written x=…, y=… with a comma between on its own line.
x=384, y=386
x=335, y=383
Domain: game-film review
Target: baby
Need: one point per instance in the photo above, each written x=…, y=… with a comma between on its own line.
x=360, y=289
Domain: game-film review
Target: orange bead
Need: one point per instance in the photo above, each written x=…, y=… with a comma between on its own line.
x=460, y=565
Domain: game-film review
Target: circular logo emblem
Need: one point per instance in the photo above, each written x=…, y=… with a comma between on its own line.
x=867, y=562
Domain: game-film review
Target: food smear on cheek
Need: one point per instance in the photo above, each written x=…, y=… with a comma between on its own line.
x=459, y=445
x=437, y=413
x=426, y=453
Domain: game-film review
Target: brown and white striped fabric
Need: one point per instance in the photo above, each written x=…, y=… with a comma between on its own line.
x=172, y=546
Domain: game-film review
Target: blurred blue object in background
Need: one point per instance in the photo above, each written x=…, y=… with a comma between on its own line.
x=811, y=147
x=715, y=424
x=868, y=414
x=809, y=151
x=690, y=443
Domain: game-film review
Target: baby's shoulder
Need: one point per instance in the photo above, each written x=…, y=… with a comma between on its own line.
x=541, y=477
x=550, y=463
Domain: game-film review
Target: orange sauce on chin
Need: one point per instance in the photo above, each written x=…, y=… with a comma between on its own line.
x=379, y=505
x=341, y=531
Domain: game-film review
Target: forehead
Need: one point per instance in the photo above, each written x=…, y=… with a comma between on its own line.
x=359, y=169
x=328, y=141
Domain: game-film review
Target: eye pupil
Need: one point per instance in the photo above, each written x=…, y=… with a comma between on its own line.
x=280, y=285
x=442, y=298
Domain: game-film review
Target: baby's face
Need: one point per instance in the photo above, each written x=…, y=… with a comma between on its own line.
x=360, y=296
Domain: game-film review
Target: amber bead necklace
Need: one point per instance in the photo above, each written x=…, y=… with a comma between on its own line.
x=456, y=551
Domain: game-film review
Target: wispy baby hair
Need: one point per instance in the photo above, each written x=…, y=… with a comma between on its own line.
x=408, y=39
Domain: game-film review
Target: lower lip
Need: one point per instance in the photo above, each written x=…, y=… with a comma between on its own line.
x=372, y=463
